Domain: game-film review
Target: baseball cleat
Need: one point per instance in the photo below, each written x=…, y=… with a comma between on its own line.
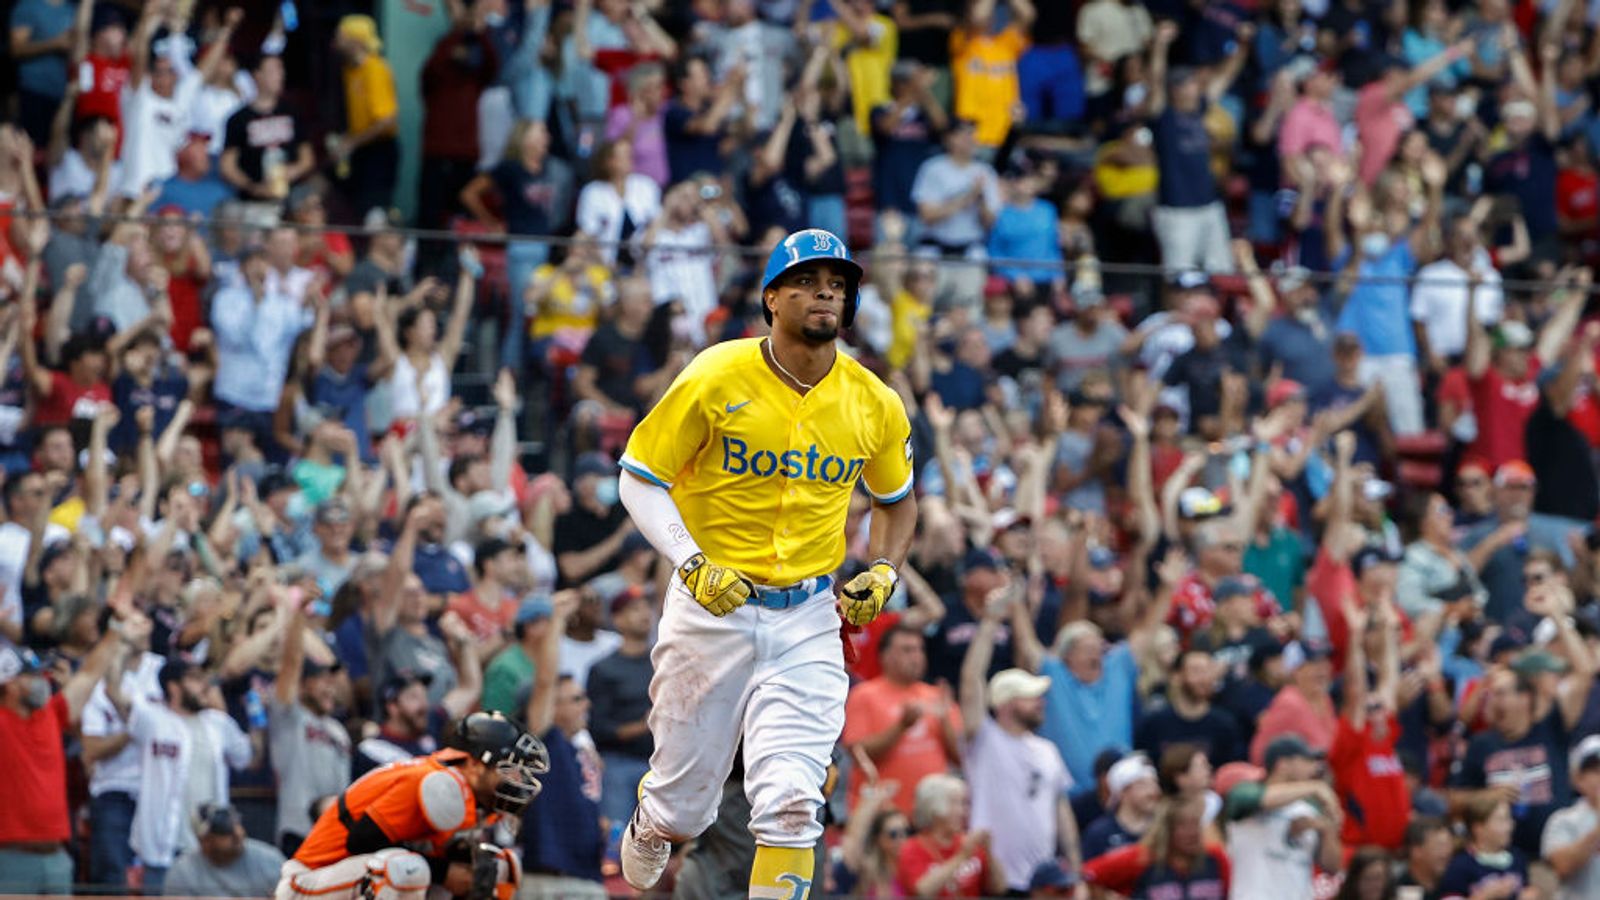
x=644, y=854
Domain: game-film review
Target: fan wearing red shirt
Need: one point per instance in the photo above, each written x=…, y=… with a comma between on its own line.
x=490, y=608
x=1366, y=770
x=1173, y=860
x=1504, y=382
x=34, y=823
x=78, y=389
x=1578, y=202
x=1219, y=558
x=1370, y=582
x=105, y=69
x=943, y=859
x=909, y=728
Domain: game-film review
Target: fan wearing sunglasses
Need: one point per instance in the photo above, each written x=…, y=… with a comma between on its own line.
x=872, y=839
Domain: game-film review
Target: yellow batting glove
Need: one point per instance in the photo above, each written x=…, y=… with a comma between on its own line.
x=866, y=593
x=719, y=589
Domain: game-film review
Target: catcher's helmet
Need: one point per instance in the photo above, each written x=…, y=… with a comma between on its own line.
x=807, y=246
x=498, y=742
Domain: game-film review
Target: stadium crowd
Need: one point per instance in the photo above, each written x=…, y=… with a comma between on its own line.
x=1274, y=575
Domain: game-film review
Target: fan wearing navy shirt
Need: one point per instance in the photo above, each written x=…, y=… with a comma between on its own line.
x=562, y=844
x=1134, y=791
x=906, y=133
x=1521, y=758
x=410, y=728
x=698, y=119
x=342, y=381
x=432, y=561
x=1526, y=169
x=1189, y=715
x=1190, y=221
x=144, y=381
x=1487, y=860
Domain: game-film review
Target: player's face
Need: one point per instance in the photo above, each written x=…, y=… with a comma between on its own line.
x=809, y=301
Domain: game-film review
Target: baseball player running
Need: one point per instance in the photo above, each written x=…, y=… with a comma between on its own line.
x=362, y=845
x=741, y=476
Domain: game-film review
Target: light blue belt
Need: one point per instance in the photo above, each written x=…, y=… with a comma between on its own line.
x=791, y=596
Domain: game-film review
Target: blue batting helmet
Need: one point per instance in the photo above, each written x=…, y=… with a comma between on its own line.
x=807, y=246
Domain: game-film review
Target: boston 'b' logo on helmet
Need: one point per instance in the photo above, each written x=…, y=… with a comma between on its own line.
x=823, y=241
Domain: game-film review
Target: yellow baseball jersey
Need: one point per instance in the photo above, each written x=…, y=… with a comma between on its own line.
x=763, y=475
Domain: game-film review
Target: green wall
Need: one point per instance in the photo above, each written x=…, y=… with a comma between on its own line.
x=410, y=29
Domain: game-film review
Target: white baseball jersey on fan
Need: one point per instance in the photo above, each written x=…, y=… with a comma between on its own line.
x=120, y=773
x=184, y=762
x=156, y=127
x=680, y=263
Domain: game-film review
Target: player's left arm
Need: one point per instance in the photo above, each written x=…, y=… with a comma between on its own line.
x=888, y=478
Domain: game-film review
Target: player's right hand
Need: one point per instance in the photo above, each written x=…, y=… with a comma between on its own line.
x=719, y=589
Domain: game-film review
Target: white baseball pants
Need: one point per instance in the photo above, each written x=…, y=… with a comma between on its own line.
x=396, y=874
x=773, y=678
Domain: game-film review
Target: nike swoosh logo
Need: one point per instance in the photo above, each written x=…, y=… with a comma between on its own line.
x=735, y=407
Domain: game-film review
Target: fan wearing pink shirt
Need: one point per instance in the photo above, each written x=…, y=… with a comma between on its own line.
x=1311, y=122
x=1382, y=115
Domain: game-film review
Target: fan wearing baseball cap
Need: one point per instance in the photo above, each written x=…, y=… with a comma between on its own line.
x=1519, y=757
x=1133, y=789
x=1571, y=841
x=1019, y=783
x=1500, y=543
x=34, y=821
x=1282, y=824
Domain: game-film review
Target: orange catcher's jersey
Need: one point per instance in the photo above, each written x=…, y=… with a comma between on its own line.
x=419, y=802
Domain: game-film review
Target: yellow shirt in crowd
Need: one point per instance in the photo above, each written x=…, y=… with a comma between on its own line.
x=570, y=303
x=869, y=67
x=908, y=316
x=368, y=93
x=984, y=68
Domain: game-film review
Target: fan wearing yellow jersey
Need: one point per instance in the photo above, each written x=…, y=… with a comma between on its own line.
x=742, y=477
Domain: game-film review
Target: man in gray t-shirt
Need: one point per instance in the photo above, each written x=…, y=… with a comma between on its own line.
x=404, y=650
x=229, y=864
x=1572, y=835
x=957, y=195
x=1092, y=340
x=310, y=748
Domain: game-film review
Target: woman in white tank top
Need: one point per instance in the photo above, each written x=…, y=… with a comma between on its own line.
x=420, y=383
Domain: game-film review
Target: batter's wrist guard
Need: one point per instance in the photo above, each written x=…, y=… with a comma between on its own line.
x=719, y=589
